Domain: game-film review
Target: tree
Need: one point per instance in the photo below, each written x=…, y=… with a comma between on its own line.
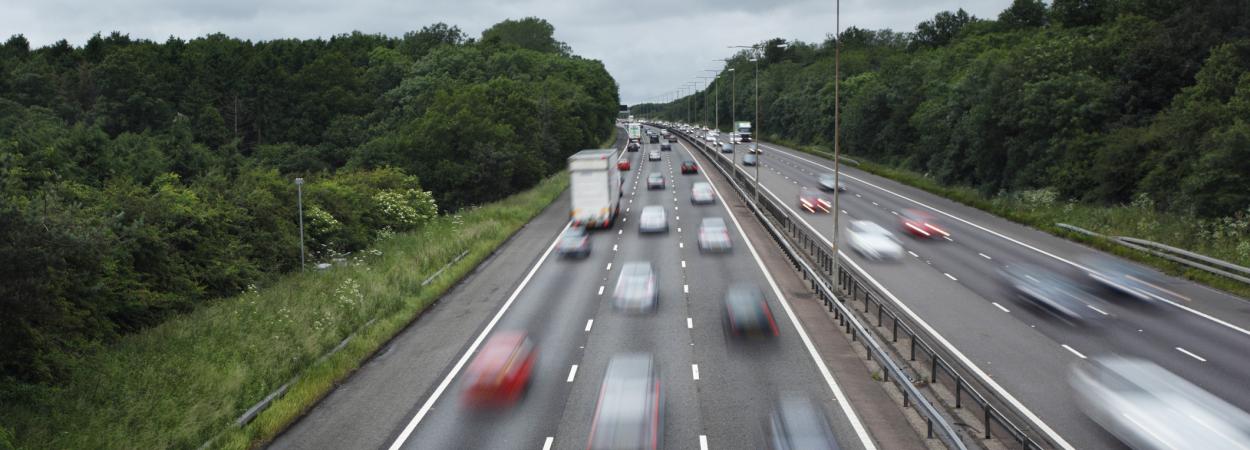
x=1079, y=13
x=942, y=29
x=1024, y=14
x=529, y=33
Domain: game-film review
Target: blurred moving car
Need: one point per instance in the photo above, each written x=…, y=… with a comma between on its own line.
x=747, y=313
x=630, y=411
x=1148, y=407
x=666, y=147
x=653, y=220
x=701, y=193
x=750, y=159
x=574, y=243
x=500, y=373
x=654, y=138
x=672, y=138
x=623, y=164
x=872, y=241
x=756, y=149
x=726, y=148
x=636, y=289
x=655, y=180
x=1125, y=278
x=714, y=235
x=798, y=424
x=829, y=183
x=689, y=167
x=920, y=224
x=653, y=155
x=813, y=201
x=633, y=146
x=1049, y=290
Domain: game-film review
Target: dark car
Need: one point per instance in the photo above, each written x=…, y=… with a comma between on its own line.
x=633, y=146
x=574, y=243
x=798, y=424
x=1125, y=278
x=750, y=159
x=1048, y=290
x=747, y=313
x=630, y=411
x=500, y=373
x=689, y=167
x=655, y=180
x=654, y=139
x=828, y=183
x=666, y=147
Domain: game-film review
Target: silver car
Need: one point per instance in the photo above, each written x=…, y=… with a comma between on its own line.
x=653, y=156
x=1148, y=407
x=701, y=193
x=714, y=235
x=630, y=412
x=653, y=220
x=636, y=289
x=574, y=243
x=873, y=241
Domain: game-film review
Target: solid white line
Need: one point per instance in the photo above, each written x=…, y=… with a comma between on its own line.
x=913, y=253
x=455, y=370
x=702, y=442
x=572, y=374
x=853, y=417
x=601, y=289
x=1000, y=307
x=547, y=443
x=689, y=322
x=589, y=323
x=1073, y=350
x=694, y=368
x=1187, y=352
x=985, y=256
x=1022, y=244
x=1096, y=309
x=950, y=276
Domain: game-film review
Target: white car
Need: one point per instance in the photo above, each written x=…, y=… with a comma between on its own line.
x=701, y=193
x=872, y=241
x=714, y=235
x=653, y=220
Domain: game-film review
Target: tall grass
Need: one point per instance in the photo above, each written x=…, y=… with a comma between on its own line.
x=1225, y=238
x=182, y=383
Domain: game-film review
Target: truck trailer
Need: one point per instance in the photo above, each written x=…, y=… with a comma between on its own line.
x=743, y=130
x=596, y=187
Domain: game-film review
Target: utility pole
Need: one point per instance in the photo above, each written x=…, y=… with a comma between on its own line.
x=837, y=125
x=299, y=189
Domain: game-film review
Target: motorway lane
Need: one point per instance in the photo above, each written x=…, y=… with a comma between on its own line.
x=1155, y=333
x=726, y=405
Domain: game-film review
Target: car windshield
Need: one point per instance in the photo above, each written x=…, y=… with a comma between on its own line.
x=655, y=177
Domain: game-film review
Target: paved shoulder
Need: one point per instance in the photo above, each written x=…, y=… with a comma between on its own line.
x=371, y=406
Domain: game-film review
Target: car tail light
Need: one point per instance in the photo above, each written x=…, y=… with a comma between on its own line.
x=918, y=229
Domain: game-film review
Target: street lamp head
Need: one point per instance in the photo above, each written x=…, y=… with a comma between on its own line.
x=299, y=181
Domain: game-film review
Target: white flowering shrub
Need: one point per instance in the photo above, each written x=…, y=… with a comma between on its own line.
x=406, y=209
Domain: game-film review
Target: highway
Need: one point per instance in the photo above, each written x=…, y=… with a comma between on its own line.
x=717, y=392
x=952, y=287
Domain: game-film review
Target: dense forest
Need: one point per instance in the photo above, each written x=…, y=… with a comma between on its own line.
x=139, y=179
x=1100, y=101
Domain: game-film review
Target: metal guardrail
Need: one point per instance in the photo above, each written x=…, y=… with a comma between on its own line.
x=937, y=424
x=1171, y=253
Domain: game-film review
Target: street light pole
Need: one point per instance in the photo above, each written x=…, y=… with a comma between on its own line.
x=716, y=93
x=837, y=124
x=299, y=189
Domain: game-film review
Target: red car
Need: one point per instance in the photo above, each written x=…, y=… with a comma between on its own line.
x=500, y=374
x=921, y=224
x=688, y=167
x=623, y=165
x=813, y=201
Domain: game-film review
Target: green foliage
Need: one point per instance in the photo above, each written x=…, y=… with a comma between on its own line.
x=139, y=180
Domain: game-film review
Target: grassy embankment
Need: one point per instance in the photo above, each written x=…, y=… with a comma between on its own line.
x=1227, y=239
x=181, y=383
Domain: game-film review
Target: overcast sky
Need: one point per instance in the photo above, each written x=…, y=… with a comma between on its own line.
x=650, y=46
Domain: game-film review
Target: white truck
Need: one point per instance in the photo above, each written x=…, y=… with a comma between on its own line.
x=596, y=188
x=635, y=132
x=743, y=130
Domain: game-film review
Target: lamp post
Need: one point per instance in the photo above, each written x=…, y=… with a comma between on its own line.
x=299, y=189
x=837, y=124
x=705, y=99
x=716, y=93
x=757, y=53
